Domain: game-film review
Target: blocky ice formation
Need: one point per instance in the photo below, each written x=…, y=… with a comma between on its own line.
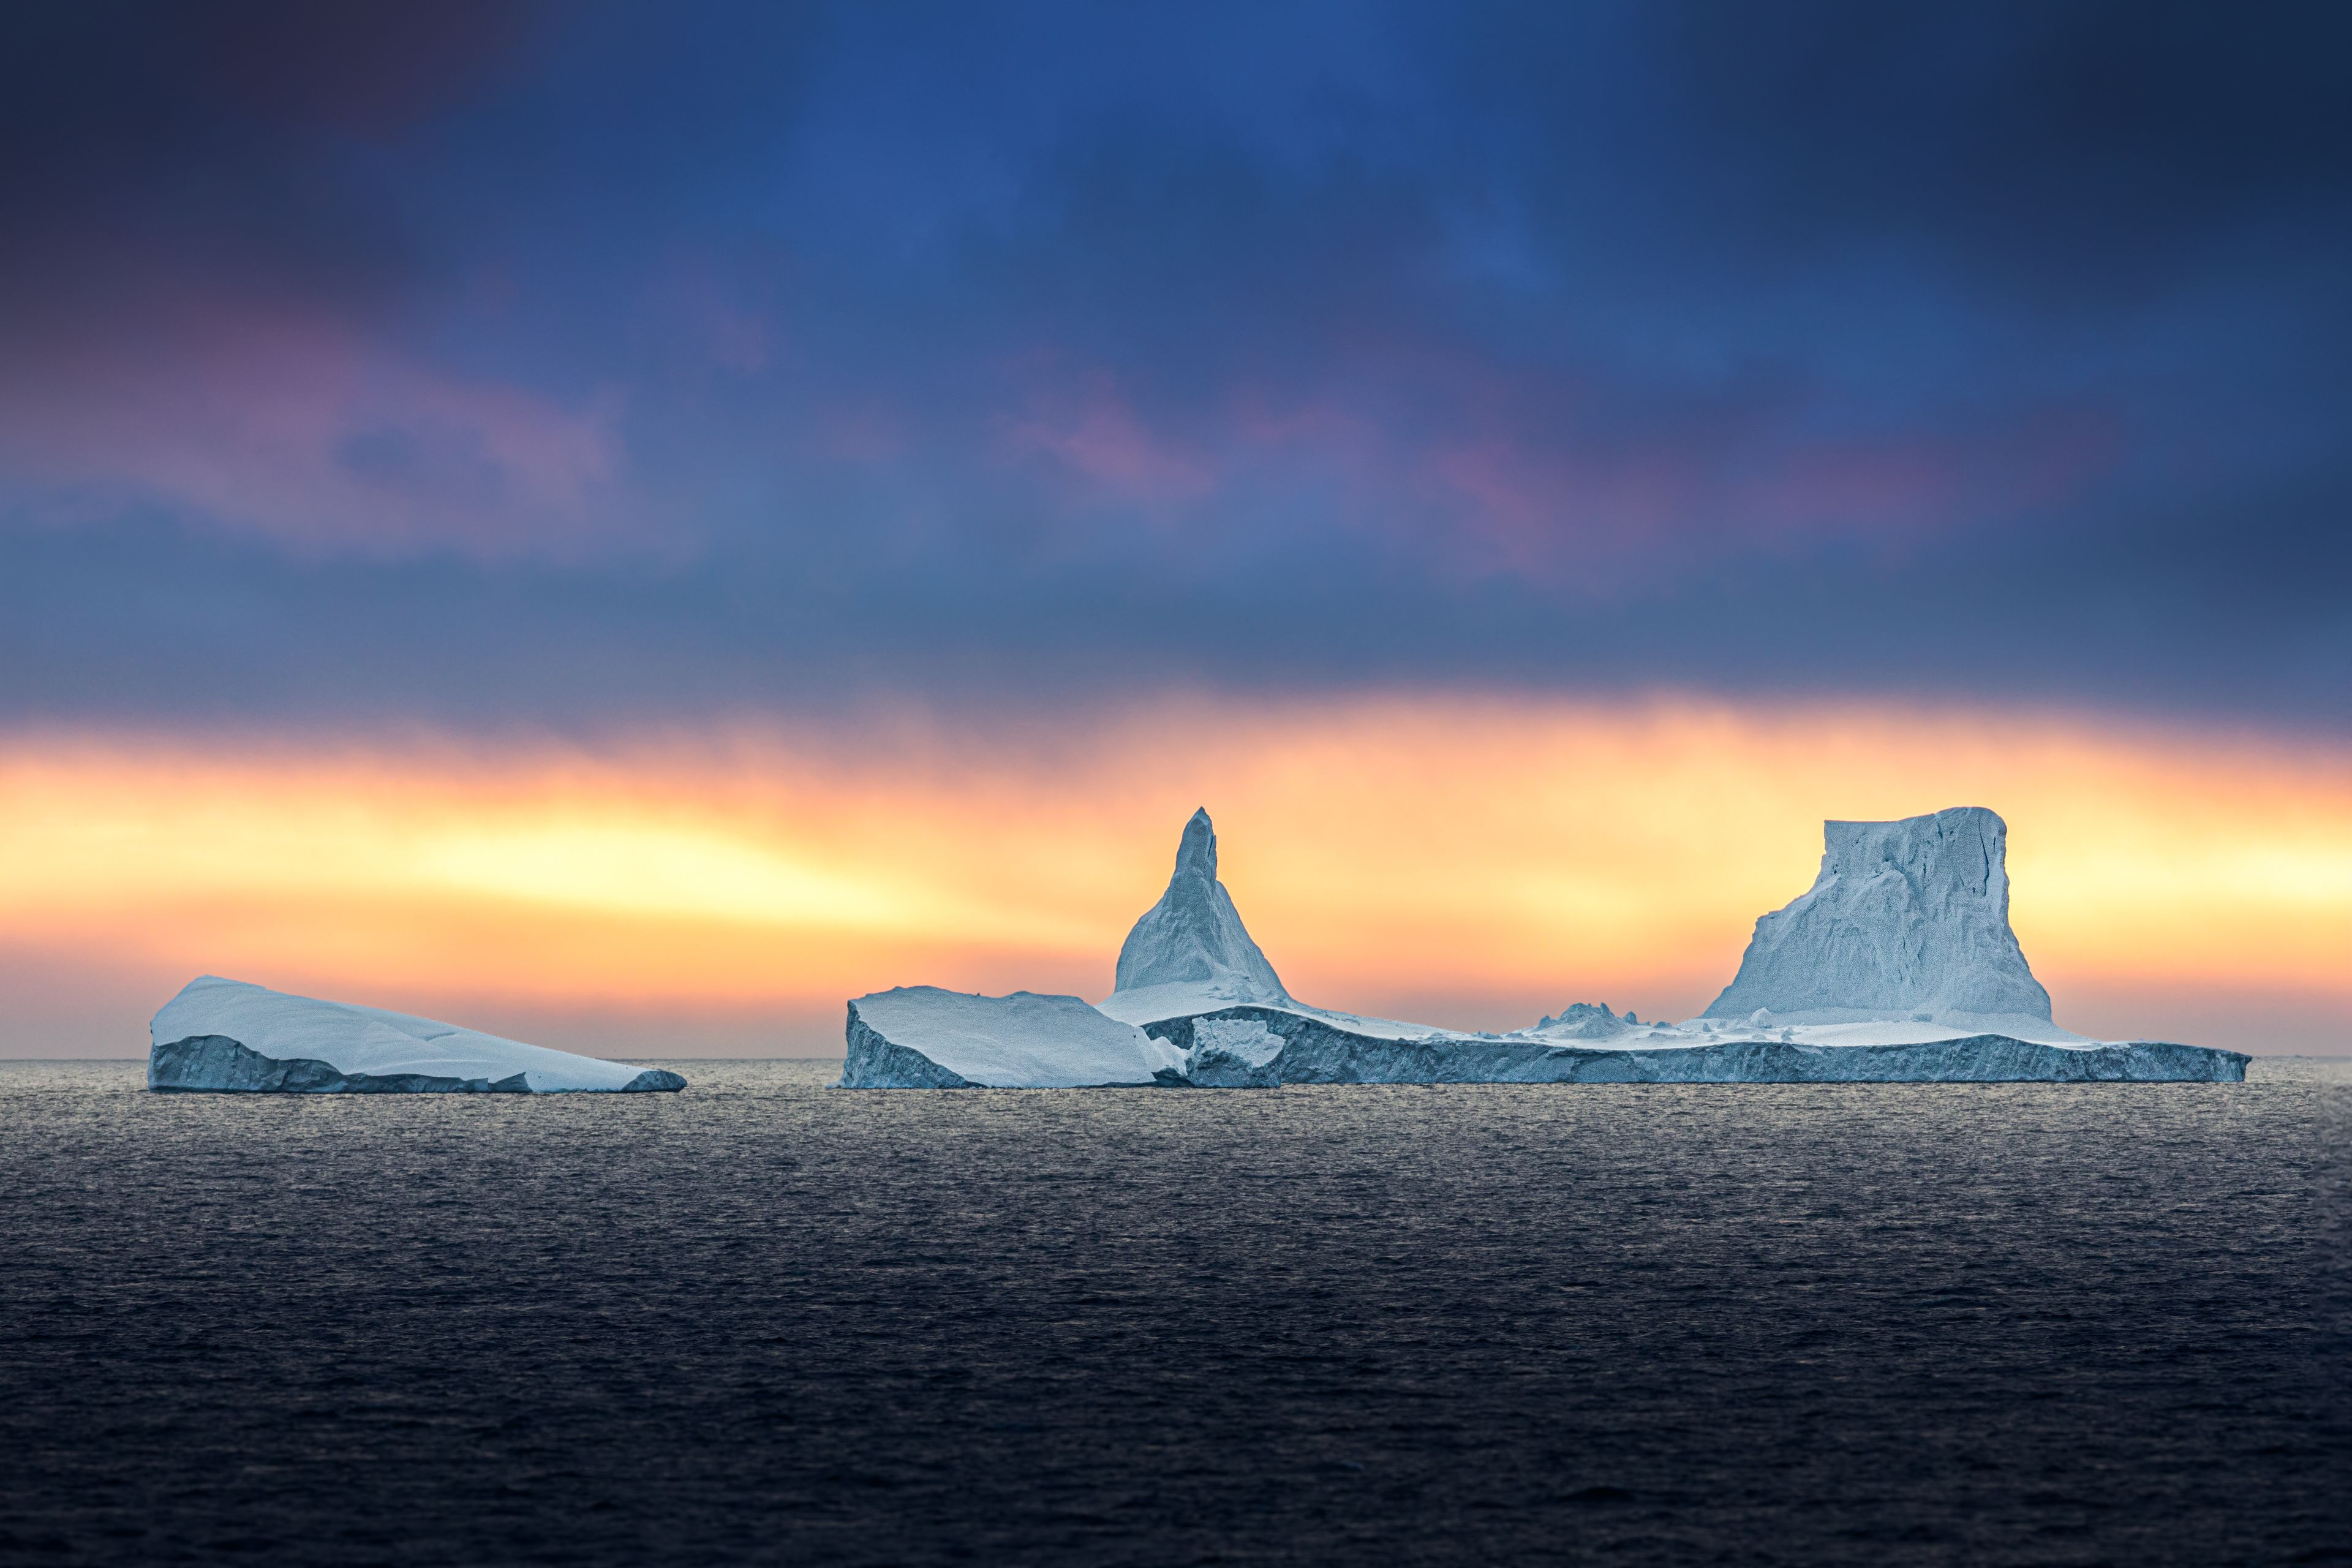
x=1906, y=920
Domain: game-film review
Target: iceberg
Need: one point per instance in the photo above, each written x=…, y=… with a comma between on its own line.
x=1898, y=966
x=923, y=1037
x=1193, y=936
x=225, y=1036
x=1906, y=920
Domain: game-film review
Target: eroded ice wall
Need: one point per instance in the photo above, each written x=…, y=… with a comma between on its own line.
x=1906, y=918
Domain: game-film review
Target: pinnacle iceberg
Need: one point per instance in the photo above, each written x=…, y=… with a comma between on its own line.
x=1908, y=918
x=1193, y=935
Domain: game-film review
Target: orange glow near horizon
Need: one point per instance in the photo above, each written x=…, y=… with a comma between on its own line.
x=1478, y=855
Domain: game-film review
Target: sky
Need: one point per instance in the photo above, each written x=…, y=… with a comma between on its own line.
x=632, y=524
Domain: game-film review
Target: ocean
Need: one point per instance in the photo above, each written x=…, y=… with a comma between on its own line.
x=764, y=1321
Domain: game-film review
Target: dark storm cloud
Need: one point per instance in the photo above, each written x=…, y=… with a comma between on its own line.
x=589, y=364
x=2064, y=141
x=212, y=127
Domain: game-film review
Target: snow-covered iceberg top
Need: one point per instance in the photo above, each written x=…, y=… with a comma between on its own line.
x=919, y=1035
x=1906, y=920
x=225, y=1034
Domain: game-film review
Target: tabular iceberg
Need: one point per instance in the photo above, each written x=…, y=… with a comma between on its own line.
x=228, y=1037
x=1299, y=1047
x=1898, y=966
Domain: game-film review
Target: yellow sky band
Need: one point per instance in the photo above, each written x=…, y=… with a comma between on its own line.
x=1415, y=849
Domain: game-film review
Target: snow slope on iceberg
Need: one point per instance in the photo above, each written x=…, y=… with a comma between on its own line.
x=922, y=1036
x=228, y=1036
x=1906, y=920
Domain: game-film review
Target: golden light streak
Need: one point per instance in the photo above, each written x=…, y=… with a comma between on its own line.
x=1488, y=855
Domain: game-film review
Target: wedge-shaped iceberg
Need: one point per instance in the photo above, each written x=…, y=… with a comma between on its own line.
x=1899, y=966
x=226, y=1036
x=920, y=1037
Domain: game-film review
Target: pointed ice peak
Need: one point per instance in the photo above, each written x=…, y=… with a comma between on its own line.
x=1193, y=935
x=1906, y=919
x=1196, y=852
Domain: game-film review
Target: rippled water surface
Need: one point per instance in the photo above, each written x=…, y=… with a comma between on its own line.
x=766, y=1321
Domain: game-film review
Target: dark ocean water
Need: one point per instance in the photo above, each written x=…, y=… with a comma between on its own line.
x=761, y=1321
